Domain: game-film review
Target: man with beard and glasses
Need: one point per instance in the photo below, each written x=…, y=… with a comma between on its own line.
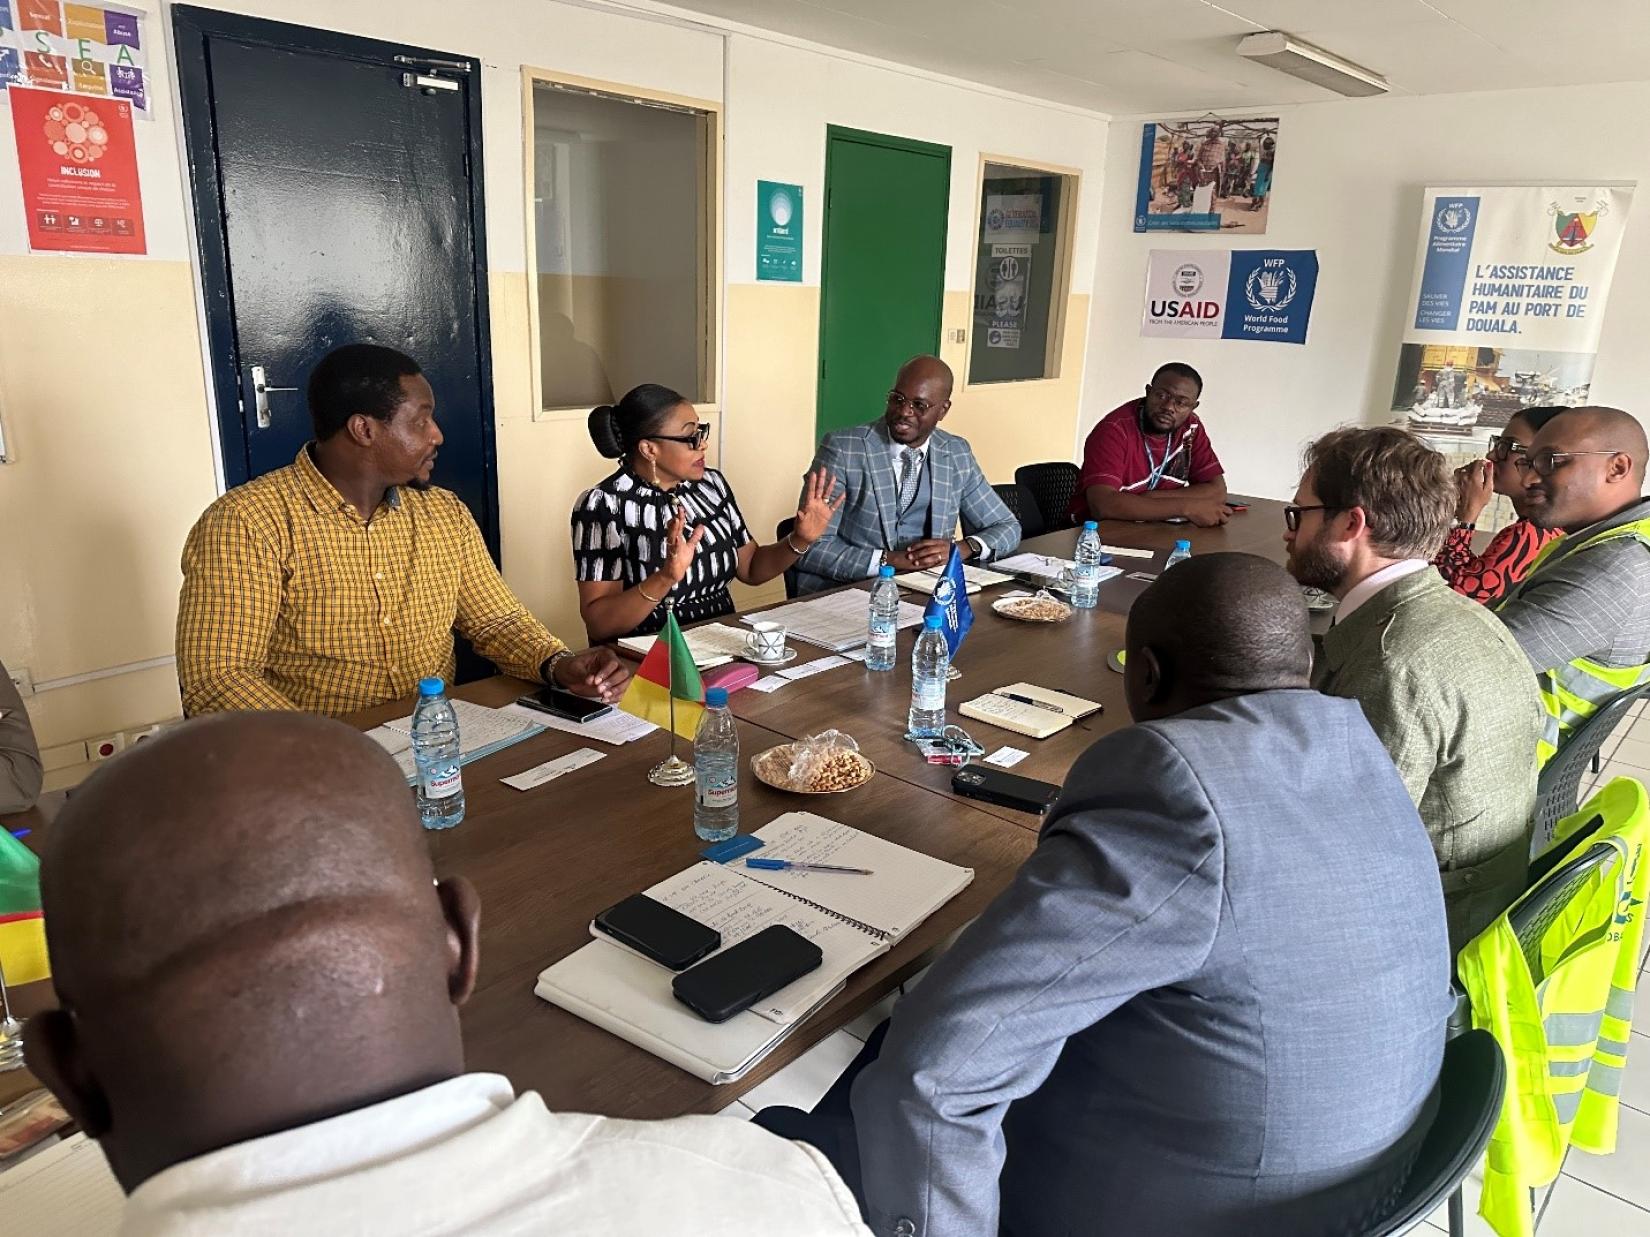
x=1150, y=458
x=336, y=583
x=906, y=484
x=1443, y=684
x=1582, y=615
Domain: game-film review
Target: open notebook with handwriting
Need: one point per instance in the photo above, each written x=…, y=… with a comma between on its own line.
x=852, y=919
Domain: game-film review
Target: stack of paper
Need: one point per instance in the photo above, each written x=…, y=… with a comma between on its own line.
x=714, y=644
x=64, y=1191
x=975, y=579
x=615, y=728
x=834, y=621
x=481, y=732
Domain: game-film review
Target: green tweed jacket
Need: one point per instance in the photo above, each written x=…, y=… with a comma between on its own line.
x=1451, y=696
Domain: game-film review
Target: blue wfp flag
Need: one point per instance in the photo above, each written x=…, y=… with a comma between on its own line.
x=950, y=602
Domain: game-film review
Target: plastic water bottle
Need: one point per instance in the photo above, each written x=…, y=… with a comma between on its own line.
x=930, y=662
x=1085, y=571
x=716, y=770
x=879, y=652
x=1181, y=552
x=436, y=752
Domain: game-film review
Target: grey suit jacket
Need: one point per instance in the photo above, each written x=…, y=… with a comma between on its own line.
x=862, y=459
x=1210, y=1001
x=1450, y=694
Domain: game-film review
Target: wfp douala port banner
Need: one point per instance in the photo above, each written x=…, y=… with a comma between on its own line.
x=1254, y=294
x=1507, y=301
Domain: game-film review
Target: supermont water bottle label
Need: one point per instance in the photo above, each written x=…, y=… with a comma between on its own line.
x=443, y=783
x=719, y=794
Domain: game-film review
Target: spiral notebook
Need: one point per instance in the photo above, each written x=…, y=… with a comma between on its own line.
x=853, y=919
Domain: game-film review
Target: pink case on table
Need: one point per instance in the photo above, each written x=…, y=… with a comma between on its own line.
x=732, y=676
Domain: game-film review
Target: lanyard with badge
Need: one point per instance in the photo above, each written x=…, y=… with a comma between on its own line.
x=1158, y=468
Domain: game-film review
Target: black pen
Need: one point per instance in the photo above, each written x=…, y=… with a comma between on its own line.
x=1039, y=704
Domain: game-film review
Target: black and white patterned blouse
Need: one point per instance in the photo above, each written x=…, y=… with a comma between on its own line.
x=619, y=534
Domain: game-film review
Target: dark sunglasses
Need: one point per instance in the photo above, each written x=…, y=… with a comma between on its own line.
x=699, y=437
x=1503, y=447
x=1292, y=516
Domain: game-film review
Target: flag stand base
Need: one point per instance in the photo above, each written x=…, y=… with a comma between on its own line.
x=671, y=772
x=952, y=674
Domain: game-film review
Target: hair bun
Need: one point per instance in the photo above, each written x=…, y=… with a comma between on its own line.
x=604, y=431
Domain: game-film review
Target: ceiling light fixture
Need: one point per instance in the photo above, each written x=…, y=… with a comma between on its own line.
x=1289, y=55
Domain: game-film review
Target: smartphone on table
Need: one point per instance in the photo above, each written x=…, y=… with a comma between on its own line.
x=658, y=932
x=559, y=702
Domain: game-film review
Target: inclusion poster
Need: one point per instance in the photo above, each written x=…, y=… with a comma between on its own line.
x=1507, y=302
x=78, y=162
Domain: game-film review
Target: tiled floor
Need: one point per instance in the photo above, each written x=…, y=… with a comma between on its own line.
x=1593, y=1196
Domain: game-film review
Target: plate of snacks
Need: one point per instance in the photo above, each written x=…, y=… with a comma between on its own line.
x=821, y=764
x=1039, y=607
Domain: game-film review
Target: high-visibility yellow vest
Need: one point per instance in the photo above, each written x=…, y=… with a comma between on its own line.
x=1572, y=693
x=1564, y=1029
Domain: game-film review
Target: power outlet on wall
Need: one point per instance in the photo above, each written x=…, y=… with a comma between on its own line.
x=21, y=679
x=105, y=746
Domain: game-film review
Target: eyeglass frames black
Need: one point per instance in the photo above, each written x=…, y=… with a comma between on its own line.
x=1549, y=462
x=1503, y=447
x=1173, y=400
x=699, y=437
x=1292, y=515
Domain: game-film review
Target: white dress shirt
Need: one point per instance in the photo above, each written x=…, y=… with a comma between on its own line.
x=1373, y=583
x=897, y=453
x=467, y=1156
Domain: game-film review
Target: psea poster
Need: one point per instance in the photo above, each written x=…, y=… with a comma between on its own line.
x=1208, y=175
x=1255, y=294
x=89, y=49
x=778, y=231
x=78, y=163
x=1508, y=299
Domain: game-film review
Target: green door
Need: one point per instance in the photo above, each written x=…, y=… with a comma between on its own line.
x=886, y=204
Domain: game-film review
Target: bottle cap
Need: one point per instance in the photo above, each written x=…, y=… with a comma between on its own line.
x=430, y=687
x=716, y=697
x=1183, y=545
x=887, y=572
x=933, y=621
x=1090, y=526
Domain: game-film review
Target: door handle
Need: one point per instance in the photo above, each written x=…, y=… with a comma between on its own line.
x=260, y=395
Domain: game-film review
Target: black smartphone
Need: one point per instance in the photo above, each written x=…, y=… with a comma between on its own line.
x=559, y=702
x=1025, y=794
x=656, y=931
x=742, y=974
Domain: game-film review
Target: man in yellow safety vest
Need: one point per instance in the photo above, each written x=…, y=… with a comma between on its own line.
x=1582, y=615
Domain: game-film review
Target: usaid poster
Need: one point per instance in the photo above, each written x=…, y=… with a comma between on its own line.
x=1508, y=300
x=1257, y=294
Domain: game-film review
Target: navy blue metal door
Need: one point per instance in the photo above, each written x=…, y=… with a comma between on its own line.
x=337, y=187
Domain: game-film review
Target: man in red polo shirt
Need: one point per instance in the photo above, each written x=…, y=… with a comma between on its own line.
x=1150, y=458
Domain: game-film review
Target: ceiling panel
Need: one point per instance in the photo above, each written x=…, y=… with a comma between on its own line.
x=1329, y=14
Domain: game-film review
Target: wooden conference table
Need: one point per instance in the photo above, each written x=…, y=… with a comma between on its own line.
x=546, y=860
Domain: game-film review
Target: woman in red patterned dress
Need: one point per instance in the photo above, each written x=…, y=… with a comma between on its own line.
x=1507, y=558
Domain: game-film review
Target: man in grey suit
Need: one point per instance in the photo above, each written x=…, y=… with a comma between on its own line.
x=907, y=482
x=1213, y=1000
x=1443, y=684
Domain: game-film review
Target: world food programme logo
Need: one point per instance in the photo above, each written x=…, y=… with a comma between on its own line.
x=945, y=592
x=780, y=208
x=1575, y=228
x=1454, y=218
x=1270, y=287
x=1188, y=279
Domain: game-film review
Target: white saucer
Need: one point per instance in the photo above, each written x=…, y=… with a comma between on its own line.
x=787, y=659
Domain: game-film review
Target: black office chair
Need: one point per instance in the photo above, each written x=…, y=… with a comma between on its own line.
x=791, y=584
x=1558, y=788
x=1469, y=1092
x=1024, y=507
x=1052, y=486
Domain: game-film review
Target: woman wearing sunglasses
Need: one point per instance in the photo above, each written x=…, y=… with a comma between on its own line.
x=1507, y=558
x=665, y=525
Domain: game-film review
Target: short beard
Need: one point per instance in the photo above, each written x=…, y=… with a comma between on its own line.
x=420, y=486
x=1316, y=567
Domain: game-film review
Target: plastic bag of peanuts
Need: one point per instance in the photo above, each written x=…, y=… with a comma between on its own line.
x=826, y=762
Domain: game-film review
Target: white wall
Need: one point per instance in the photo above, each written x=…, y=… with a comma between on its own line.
x=1349, y=181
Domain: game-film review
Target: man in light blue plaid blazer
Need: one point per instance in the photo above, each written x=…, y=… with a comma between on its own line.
x=907, y=483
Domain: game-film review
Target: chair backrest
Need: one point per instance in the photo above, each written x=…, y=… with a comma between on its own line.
x=1558, y=789
x=784, y=530
x=1531, y=918
x=1052, y=486
x=1468, y=1096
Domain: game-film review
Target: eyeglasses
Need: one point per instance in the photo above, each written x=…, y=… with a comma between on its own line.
x=1548, y=462
x=919, y=406
x=1172, y=400
x=699, y=437
x=1292, y=516
x=1503, y=447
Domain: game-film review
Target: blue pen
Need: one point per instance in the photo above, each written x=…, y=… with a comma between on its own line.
x=787, y=865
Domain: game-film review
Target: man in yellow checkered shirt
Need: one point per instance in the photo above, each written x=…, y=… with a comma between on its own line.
x=335, y=584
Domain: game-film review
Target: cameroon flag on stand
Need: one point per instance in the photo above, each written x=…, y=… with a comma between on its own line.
x=667, y=671
x=22, y=927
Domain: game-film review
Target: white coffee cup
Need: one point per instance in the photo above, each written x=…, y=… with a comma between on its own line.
x=766, y=641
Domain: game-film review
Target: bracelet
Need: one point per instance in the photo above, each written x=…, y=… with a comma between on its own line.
x=649, y=596
x=548, y=670
x=798, y=551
